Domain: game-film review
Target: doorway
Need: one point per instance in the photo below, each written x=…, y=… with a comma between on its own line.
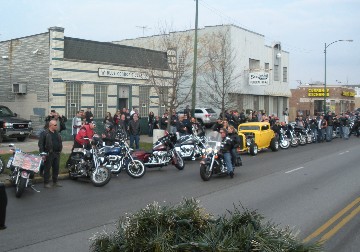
x=122, y=103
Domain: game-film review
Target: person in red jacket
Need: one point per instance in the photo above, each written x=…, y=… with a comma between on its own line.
x=86, y=131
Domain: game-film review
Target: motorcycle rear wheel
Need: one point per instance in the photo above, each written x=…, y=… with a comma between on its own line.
x=20, y=187
x=100, y=178
x=205, y=172
x=284, y=144
x=136, y=169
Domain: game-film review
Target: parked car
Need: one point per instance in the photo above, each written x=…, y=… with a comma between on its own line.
x=257, y=136
x=12, y=126
x=205, y=116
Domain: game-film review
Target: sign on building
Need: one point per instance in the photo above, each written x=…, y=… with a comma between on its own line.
x=259, y=79
x=122, y=74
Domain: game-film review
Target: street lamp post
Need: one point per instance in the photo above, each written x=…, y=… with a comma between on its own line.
x=326, y=46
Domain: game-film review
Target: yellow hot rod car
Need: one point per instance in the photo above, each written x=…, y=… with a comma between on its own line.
x=256, y=136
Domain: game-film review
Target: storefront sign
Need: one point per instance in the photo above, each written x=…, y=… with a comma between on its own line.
x=348, y=94
x=122, y=74
x=317, y=92
x=259, y=79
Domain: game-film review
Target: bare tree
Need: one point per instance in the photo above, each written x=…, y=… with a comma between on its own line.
x=172, y=85
x=218, y=71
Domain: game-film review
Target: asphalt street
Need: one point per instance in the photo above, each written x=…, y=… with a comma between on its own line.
x=301, y=187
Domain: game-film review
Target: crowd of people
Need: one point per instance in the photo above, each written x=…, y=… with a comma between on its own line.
x=180, y=123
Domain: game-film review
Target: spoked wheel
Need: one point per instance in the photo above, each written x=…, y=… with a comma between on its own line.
x=180, y=164
x=2, y=166
x=294, y=142
x=20, y=187
x=136, y=169
x=100, y=177
x=205, y=172
x=302, y=140
x=284, y=144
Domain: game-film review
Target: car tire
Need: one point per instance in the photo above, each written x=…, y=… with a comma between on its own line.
x=274, y=145
x=253, y=149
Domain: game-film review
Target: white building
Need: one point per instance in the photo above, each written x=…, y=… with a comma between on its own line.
x=263, y=69
x=50, y=71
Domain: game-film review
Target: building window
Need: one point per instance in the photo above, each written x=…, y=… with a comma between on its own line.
x=276, y=72
x=73, y=99
x=254, y=64
x=285, y=77
x=267, y=66
x=144, y=100
x=163, y=99
x=100, y=100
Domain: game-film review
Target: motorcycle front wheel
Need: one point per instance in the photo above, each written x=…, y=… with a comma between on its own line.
x=205, y=172
x=135, y=169
x=284, y=144
x=179, y=161
x=101, y=177
x=2, y=166
x=20, y=187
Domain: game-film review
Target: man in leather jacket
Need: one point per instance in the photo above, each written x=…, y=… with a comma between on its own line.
x=225, y=148
x=109, y=135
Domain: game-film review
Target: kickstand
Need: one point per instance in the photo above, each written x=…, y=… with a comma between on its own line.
x=33, y=187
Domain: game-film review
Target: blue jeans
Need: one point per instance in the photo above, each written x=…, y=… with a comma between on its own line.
x=346, y=132
x=135, y=138
x=173, y=129
x=151, y=128
x=227, y=158
x=329, y=133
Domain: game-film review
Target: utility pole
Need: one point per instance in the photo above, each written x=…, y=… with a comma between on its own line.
x=193, y=100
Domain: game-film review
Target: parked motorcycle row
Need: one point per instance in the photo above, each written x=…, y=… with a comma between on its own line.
x=97, y=162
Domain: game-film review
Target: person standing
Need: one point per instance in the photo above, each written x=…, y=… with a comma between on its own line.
x=151, y=120
x=76, y=124
x=134, y=130
x=3, y=204
x=51, y=143
x=89, y=116
x=286, y=115
x=329, y=129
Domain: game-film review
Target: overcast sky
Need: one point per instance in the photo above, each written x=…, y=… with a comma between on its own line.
x=303, y=27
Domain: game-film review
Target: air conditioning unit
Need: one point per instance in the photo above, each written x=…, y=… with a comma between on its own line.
x=100, y=105
x=19, y=88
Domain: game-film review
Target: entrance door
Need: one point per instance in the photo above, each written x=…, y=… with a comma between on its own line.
x=122, y=103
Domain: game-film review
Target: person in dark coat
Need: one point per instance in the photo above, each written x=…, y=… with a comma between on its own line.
x=51, y=143
x=134, y=131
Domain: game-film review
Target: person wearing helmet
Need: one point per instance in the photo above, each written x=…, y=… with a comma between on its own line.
x=109, y=135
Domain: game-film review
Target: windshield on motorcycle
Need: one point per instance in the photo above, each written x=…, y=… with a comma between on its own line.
x=214, y=140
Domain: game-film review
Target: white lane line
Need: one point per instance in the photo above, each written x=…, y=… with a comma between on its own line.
x=341, y=153
x=295, y=169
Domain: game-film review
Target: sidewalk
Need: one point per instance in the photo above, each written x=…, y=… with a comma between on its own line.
x=32, y=145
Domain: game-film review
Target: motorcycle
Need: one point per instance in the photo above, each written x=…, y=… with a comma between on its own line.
x=118, y=157
x=213, y=161
x=190, y=146
x=23, y=168
x=86, y=163
x=290, y=133
x=299, y=132
x=163, y=153
x=309, y=135
x=284, y=141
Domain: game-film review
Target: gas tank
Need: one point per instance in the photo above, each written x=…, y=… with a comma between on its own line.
x=112, y=151
x=159, y=146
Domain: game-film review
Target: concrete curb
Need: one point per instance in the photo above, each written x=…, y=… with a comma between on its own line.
x=36, y=180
